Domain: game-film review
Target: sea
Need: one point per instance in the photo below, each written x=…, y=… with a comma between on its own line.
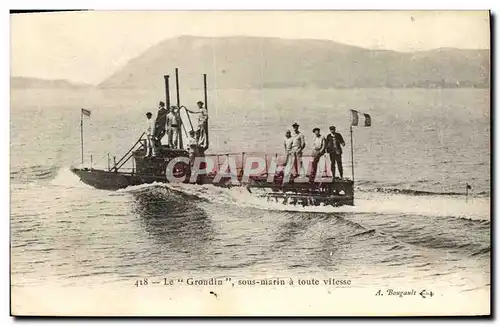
x=412, y=225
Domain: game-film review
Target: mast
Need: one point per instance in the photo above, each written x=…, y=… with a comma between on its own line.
x=167, y=91
x=352, y=156
x=206, y=105
x=177, y=86
x=179, y=130
x=81, y=132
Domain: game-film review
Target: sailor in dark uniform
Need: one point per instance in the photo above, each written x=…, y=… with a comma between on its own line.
x=334, y=141
x=161, y=120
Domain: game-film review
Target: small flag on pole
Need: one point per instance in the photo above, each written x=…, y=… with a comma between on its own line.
x=355, y=118
x=467, y=188
x=368, y=120
x=86, y=112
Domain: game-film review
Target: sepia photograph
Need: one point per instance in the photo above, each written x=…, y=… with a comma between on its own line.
x=250, y=163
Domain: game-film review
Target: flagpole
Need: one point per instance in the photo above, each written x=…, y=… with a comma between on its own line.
x=352, y=156
x=81, y=131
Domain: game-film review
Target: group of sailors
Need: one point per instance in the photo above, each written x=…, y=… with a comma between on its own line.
x=168, y=122
x=330, y=144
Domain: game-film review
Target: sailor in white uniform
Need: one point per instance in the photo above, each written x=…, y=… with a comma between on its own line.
x=150, y=146
x=288, y=142
x=201, y=128
x=193, y=147
x=172, y=127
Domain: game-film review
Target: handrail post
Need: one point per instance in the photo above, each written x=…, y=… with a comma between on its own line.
x=267, y=168
x=242, y=164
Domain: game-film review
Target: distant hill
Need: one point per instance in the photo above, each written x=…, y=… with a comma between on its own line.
x=257, y=62
x=29, y=82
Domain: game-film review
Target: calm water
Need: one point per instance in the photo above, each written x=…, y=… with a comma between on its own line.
x=431, y=141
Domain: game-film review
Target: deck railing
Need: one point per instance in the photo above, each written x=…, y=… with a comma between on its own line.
x=125, y=158
x=243, y=159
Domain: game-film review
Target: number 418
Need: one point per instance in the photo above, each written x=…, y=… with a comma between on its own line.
x=141, y=282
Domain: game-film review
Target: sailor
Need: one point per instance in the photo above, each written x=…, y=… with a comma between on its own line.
x=193, y=146
x=288, y=146
x=201, y=128
x=161, y=120
x=318, y=150
x=172, y=127
x=298, y=145
x=150, y=146
x=334, y=141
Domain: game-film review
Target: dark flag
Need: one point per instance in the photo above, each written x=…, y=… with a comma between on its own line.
x=368, y=120
x=355, y=118
x=469, y=186
x=86, y=112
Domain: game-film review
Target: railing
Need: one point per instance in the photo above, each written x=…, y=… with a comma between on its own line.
x=188, y=116
x=186, y=132
x=241, y=159
x=127, y=156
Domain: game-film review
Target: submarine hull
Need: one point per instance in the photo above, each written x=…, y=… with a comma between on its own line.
x=337, y=193
x=110, y=180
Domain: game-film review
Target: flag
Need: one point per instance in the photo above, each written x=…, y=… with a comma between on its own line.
x=355, y=118
x=469, y=186
x=86, y=112
x=368, y=120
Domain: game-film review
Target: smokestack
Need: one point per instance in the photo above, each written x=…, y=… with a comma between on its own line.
x=167, y=91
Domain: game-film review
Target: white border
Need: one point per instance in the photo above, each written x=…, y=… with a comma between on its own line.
x=186, y=4
x=255, y=5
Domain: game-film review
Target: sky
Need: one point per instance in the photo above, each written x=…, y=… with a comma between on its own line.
x=91, y=46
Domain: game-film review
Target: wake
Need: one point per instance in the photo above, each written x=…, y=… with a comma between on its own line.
x=365, y=202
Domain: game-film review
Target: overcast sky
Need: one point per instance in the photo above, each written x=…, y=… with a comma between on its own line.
x=90, y=46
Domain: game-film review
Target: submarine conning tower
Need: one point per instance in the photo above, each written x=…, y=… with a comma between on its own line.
x=157, y=165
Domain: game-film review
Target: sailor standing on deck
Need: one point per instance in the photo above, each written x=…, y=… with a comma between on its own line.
x=201, y=129
x=172, y=127
x=298, y=145
x=193, y=147
x=161, y=120
x=288, y=146
x=334, y=140
x=318, y=150
x=150, y=146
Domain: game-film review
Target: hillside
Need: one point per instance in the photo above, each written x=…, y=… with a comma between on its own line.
x=256, y=62
x=28, y=82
